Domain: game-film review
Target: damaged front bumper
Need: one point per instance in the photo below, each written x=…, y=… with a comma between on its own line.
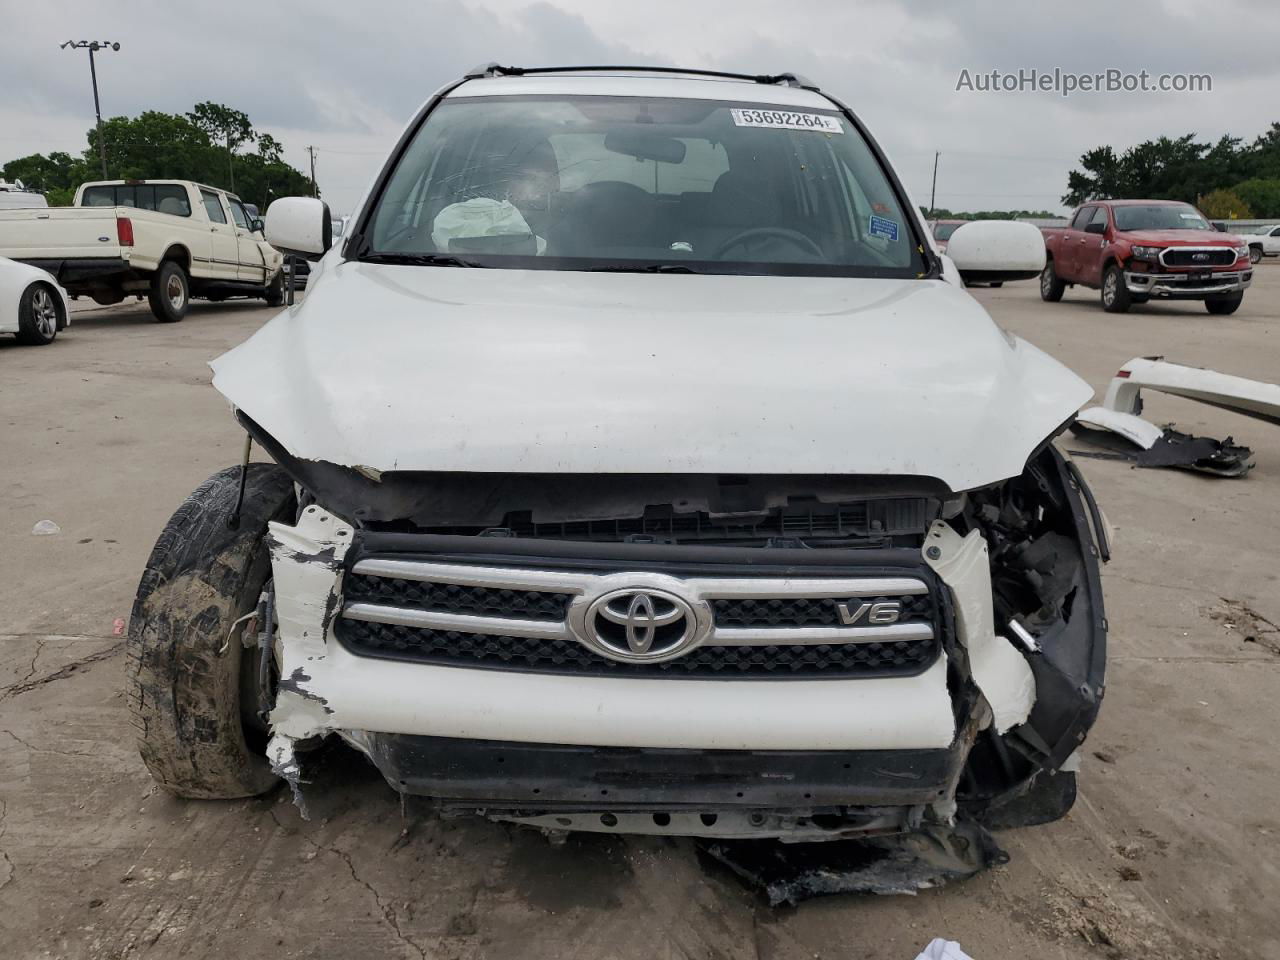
x=839, y=735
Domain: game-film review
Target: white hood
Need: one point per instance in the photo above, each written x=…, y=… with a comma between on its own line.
x=489, y=370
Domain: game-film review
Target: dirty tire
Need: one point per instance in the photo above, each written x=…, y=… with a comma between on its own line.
x=1223, y=306
x=170, y=292
x=274, y=295
x=1115, y=293
x=1051, y=287
x=1255, y=254
x=39, y=315
x=201, y=577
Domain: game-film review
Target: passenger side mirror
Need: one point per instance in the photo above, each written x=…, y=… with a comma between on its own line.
x=301, y=226
x=993, y=251
x=1099, y=228
x=255, y=225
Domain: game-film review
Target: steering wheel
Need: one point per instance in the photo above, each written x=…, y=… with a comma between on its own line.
x=794, y=237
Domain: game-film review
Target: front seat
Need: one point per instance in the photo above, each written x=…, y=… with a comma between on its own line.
x=737, y=203
x=606, y=216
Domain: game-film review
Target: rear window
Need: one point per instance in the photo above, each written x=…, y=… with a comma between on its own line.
x=167, y=198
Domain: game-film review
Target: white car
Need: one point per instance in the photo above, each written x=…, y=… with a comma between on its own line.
x=641, y=466
x=32, y=305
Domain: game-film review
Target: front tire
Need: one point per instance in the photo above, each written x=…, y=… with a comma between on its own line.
x=1115, y=295
x=40, y=315
x=275, y=291
x=196, y=732
x=1255, y=254
x=1224, y=306
x=1051, y=285
x=170, y=293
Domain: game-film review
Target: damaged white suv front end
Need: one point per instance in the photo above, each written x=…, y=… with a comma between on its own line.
x=651, y=490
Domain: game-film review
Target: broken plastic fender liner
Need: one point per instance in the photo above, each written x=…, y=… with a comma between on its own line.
x=1000, y=671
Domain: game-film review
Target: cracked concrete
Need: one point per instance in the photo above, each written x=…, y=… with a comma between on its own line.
x=96, y=862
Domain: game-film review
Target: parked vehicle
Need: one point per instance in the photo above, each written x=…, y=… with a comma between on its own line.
x=32, y=306
x=1136, y=250
x=942, y=231
x=14, y=196
x=1263, y=242
x=651, y=473
x=168, y=240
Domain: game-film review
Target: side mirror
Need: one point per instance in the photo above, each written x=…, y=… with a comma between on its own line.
x=1099, y=228
x=993, y=251
x=300, y=226
x=255, y=225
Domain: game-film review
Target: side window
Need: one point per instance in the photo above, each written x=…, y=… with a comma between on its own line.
x=213, y=206
x=98, y=197
x=238, y=214
x=1276, y=232
x=1100, y=216
x=172, y=199
x=1082, y=217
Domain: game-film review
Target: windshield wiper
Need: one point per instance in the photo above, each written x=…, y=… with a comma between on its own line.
x=420, y=259
x=625, y=267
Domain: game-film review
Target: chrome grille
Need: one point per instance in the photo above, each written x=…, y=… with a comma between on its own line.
x=530, y=619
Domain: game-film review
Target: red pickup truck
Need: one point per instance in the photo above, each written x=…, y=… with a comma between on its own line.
x=1134, y=250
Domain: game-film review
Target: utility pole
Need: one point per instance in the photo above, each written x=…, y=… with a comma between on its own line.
x=314, y=190
x=933, y=194
x=93, y=46
x=231, y=172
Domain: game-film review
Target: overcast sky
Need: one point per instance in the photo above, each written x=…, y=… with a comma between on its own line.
x=345, y=76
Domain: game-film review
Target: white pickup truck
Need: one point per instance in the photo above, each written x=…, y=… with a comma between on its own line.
x=168, y=240
x=1263, y=242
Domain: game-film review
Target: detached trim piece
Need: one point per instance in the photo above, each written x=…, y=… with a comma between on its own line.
x=1252, y=398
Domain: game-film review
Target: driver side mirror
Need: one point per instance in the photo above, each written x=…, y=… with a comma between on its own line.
x=255, y=225
x=993, y=251
x=1099, y=228
x=301, y=226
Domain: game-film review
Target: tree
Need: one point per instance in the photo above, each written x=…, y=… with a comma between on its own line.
x=1223, y=205
x=224, y=124
x=1173, y=169
x=1261, y=196
x=165, y=146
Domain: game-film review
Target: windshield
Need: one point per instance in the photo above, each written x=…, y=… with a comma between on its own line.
x=632, y=183
x=943, y=231
x=1169, y=216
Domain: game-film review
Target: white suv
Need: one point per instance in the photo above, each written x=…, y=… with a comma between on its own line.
x=640, y=465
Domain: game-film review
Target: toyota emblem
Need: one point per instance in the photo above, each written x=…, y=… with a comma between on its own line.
x=640, y=625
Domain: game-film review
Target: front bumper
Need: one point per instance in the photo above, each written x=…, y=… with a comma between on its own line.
x=1187, y=286
x=533, y=743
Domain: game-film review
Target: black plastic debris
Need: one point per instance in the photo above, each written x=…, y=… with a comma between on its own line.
x=1220, y=458
x=786, y=873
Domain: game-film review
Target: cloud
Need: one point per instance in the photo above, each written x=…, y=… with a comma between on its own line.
x=345, y=77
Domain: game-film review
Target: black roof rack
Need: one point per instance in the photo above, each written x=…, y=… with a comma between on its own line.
x=497, y=70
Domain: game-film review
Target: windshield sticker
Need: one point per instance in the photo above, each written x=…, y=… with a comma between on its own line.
x=882, y=227
x=784, y=120
x=1189, y=216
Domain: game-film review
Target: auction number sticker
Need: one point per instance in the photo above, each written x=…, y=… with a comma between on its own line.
x=785, y=120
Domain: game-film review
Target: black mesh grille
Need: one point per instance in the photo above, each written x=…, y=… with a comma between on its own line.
x=804, y=612
x=452, y=598
x=450, y=648
x=1223, y=257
